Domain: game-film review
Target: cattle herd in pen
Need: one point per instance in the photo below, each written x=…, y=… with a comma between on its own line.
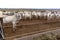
x=31, y=15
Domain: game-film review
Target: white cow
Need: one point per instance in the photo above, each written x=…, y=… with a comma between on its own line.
x=34, y=14
x=13, y=19
x=45, y=14
x=8, y=13
x=50, y=15
x=27, y=14
x=18, y=15
x=39, y=14
x=57, y=15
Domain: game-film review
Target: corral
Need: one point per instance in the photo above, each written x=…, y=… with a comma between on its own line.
x=32, y=22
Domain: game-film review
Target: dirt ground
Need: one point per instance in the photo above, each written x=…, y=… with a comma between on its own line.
x=30, y=27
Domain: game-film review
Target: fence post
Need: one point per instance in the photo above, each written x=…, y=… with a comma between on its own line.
x=1, y=26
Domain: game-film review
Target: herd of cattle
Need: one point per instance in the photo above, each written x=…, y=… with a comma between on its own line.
x=23, y=15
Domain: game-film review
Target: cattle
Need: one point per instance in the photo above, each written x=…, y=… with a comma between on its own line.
x=57, y=15
x=18, y=15
x=27, y=15
x=48, y=15
x=39, y=15
x=51, y=15
x=34, y=15
x=11, y=18
x=44, y=15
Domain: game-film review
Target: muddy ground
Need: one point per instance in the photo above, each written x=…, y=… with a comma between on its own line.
x=30, y=27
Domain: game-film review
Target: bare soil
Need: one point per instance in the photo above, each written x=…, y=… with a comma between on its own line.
x=29, y=27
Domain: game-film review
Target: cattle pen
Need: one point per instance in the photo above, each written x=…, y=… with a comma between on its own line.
x=21, y=24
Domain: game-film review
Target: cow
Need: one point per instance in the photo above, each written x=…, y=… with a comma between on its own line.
x=27, y=15
x=11, y=18
x=34, y=15
x=57, y=15
x=51, y=16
